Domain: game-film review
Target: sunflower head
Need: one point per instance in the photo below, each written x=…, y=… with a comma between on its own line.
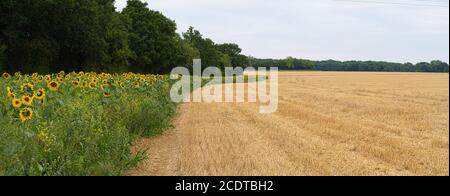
x=9, y=91
x=106, y=94
x=53, y=86
x=92, y=85
x=39, y=94
x=26, y=114
x=6, y=76
x=85, y=84
x=60, y=80
x=27, y=87
x=27, y=100
x=16, y=103
x=40, y=79
x=76, y=83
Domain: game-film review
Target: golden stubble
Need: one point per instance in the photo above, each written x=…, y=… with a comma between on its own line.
x=327, y=123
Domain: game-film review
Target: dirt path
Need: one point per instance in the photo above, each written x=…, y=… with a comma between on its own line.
x=326, y=124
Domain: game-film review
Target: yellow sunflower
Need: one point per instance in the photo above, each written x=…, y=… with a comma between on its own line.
x=85, y=84
x=76, y=83
x=61, y=80
x=6, y=76
x=106, y=94
x=27, y=100
x=39, y=94
x=26, y=114
x=92, y=85
x=53, y=86
x=47, y=78
x=27, y=87
x=16, y=103
x=9, y=91
x=40, y=79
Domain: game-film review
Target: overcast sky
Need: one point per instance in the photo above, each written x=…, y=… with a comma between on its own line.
x=319, y=29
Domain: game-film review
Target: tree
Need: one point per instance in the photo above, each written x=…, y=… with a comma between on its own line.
x=185, y=53
x=234, y=52
x=209, y=53
x=50, y=35
x=152, y=38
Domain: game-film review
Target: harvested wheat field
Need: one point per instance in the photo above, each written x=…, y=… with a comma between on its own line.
x=327, y=123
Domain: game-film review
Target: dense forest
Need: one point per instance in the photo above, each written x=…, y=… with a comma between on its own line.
x=332, y=65
x=91, y=35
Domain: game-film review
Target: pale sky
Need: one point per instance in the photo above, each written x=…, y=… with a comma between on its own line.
x=319, y=29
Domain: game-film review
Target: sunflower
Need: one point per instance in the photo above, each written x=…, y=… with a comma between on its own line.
x=106, y=94
x=27, y=87
x=53, y=86
x=47, y=78
x=92, y=85
x=40, y=79
x=9, y=91
x=26, y=114
x=76, y=83
x=27, y=100
x=39, y=94
x=6, y=76
x=60, y=80
x=85, y=84
x=16, y=103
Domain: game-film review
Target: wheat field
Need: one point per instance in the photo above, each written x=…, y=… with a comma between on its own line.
x=327, y=123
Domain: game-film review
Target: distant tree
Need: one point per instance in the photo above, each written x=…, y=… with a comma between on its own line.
x=234, y=52
x=290, y=62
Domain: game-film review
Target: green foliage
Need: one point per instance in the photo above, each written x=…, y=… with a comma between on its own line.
x=78, y=131
x=289, y=63
x=217, y=55
x=331, y=65
x=90, y=35
x=152, y=38
x=234, y=53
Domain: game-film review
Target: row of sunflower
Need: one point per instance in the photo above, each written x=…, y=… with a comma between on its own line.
x=77, y=123
x=78, y=80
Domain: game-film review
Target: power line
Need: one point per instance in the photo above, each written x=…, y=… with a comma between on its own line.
x=398, y=3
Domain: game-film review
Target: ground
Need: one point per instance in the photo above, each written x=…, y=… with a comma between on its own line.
x=327, y=123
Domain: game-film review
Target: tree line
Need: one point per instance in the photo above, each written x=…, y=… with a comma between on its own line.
x=290, y=63
x=90, y=35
